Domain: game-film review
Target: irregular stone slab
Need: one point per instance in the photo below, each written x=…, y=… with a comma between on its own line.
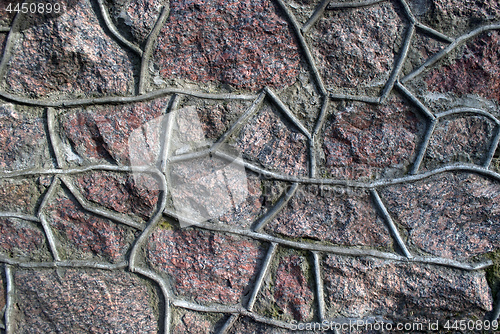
x=455, y=17
x=473, y=69
x=213, y=189
x=337, y=215
x=361, y=287
x=462, y=139
x=453, y=215
x=355, y=49
x=23, y=240
x=124, y=193
x=23, y=141
x=363, y=141
x=207, y=267
x=83, y=301
x=119, y=133
x=244, y=44
x=20, y=195
x=69, y=55
x=289, y=292
x=85, y=236
x=275, y=143
x=135, y=18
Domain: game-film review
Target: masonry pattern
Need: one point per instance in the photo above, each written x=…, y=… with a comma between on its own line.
x=368, y=134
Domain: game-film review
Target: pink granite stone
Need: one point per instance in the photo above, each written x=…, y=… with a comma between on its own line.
x=362, y=287
x=137, y=194
x=340, y=216
x=68, y=55
x=292, y=291
x=83, y=301
x=464, y=139
x=474, y=70
x=109, y=132
x=19, y=195
x=355, y=49
x=363, y=141
x=269, y=139
x=207, y=267
x=23, y=240
x=85, y=236
x=245, y=44
x=23, y=141
x=453, y=215
x=193, y=323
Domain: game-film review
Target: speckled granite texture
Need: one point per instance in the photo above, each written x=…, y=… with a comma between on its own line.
x=249, y=166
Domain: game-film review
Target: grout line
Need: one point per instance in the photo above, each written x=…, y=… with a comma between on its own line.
x=148, y=49
x=352, y=4
x=334, y=249
x=10, y=300
x=166, y=294
x=408, y=12
x=19, y=216
x=229, y=323
x=496, y=311
x=65, y=264
x=390, y=223
x=253, y=109
x=401, y=60
x=415, y=101
x=423, y=148
x=438, y=56
x=435, y=33
x=287, y=112
x=262, y=275
x=4, y=29
x=319, y=286
x=280, y=204
x=493, y=148
x=12, y=38
x=361, y=98
x=53, y=139
x=209, y=309
x=318, y=12
x=123, y=99
x=43, y=221
x=304, y=46
x=167, y=130
x=467, y=110
x=116, y=33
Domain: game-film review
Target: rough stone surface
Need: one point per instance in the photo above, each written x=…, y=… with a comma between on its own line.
x=23, y=141
x=19, y=195
x=136, y=193
x=464, y=139
x=361, y=287
x=2, y=295
x=69, y=55
x=363, y=141
x=473, y=71
x=208, y=267
x=22, y=239
x=5, y=15
x=109, y=133
x=267, y=139
x=135, y=18
x=451, y=215
x=77, y=301
x=85, y=236
x=212, y=189
x=455, y=17
x=199, y=123
x=193, y=323
x=293, y=293
x=336, y=215
x=355, y=49
x=245, y=44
